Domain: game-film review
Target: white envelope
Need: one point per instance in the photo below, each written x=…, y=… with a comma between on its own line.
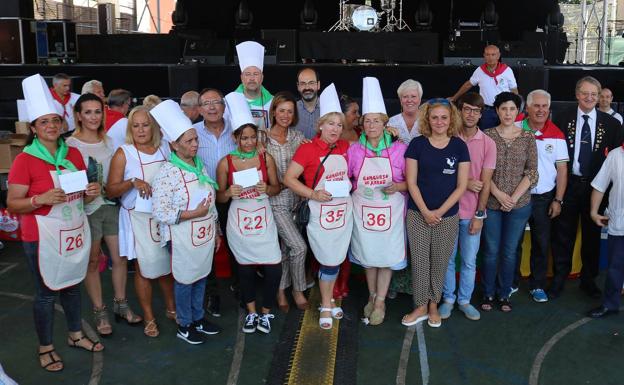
x=73, y=181
x=246, y=178
x=338, y=188
x=197, y=198
x=143, y=205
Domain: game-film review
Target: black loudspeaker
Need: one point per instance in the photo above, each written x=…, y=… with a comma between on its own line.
x=286, y=43
x=17, y=8
x=17, y=41
x=208, y=51
x=522, y=53
x=183, y=78
x=270, y=51
x=463, y=52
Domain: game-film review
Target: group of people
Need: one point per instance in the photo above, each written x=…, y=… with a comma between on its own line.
x=169, y=184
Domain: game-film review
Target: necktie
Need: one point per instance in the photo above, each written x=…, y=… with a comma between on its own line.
x=585, y=151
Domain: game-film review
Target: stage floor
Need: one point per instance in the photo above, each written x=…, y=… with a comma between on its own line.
x=547, y=343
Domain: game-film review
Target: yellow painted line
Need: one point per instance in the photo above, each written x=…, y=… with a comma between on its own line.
x=314, y=357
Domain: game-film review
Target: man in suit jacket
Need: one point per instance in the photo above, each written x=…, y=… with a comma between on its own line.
x=590, y=134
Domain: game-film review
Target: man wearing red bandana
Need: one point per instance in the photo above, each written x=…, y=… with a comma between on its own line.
x=492, y=78
x=64, y=99
x=547, y=195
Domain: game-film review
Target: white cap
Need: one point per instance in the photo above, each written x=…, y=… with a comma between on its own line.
x=329, y=100
x=372, y=99
x=250, y=54
x=38, y=98
x=22, y=111
x=171, y=119
x=239, y=113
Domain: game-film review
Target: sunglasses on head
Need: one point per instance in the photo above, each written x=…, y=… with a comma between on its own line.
x=439, y=101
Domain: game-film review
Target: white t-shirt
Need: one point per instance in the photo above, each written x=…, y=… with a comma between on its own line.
x=612, y=170
x=117, y=133
x=405, y=135
x=488, y=88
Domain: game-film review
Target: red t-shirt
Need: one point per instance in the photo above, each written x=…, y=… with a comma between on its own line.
x=35, y=173
x=310, y=155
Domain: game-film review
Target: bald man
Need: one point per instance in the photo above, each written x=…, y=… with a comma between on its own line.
x=189, y=102
x=492, y=77
x=604, y=104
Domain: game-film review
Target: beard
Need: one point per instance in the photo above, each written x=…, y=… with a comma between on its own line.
x=308, y=95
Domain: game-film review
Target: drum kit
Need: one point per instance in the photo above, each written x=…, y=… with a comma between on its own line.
x=365, y=18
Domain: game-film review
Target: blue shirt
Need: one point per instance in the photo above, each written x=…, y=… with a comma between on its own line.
x=307, y=120
x=212, y=149
x=437, y=171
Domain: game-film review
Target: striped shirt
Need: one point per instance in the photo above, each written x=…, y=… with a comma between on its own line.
x=283, y=153
x=307, y=119
x=212, y=149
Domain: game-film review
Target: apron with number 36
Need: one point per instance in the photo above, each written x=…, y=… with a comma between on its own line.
x=193, y=240
x=251, y=229
x=153, y=259
x=64, y=241
x=331, y=223
x=379, y=230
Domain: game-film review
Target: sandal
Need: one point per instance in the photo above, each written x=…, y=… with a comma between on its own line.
x=504, y=305
x=123, y=311
x=377, y=315
x=336, y=311
x=487, y=303
x=102, y=324
x=74, y=343
x=326, y=320
x=370, y=306
x=151, y=329
x=171, y=314
x=53, y=361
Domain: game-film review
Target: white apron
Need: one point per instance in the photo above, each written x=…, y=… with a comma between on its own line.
x=379, y=230
x=251, y=230
x=331, y=223
x=64, y=241
x=153, y=259
x=193, y=240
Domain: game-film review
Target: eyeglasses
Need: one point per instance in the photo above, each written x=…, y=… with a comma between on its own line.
x=212, y=103
x=311, y=83
x=469, y=110
x=439, y=101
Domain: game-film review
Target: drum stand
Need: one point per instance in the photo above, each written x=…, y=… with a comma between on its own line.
x=400, y=23
x=341, y=24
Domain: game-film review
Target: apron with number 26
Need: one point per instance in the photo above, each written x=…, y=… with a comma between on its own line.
x=64, y=241
x=379, y=230
x=331, y=223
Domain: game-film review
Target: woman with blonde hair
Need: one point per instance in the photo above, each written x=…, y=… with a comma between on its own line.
x=410, y=93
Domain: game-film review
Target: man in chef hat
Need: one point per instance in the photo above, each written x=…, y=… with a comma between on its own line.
x=251, y=62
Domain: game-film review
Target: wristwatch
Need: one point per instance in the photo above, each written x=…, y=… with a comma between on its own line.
x=558, y=201
x=480, y=214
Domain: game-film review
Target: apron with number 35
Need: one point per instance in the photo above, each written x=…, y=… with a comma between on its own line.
x=193, y=240
x=153, y=259
x=251, y=229
x=64, y=241
x=379, y=229
x=331, y=223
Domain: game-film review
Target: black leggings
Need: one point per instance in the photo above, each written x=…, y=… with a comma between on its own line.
x=247, y=279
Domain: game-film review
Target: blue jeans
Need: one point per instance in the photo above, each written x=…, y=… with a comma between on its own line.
x=469, y=246
x=43, y=307
x=615, y=272
x=189, y=301
x=502, y=232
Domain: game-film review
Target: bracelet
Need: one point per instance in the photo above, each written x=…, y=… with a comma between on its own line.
x=33, y=202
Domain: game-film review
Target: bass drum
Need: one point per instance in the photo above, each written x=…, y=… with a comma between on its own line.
x=364, y=18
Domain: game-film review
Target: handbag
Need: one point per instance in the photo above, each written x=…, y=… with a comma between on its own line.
x=301, y=211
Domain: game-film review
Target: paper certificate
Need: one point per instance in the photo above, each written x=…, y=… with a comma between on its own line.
x=73, y=181
x=246, y=178
x=196, y=198
x=338, y=188
x=143, y=205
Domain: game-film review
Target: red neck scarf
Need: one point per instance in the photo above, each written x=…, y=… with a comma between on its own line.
x=111, y=117
x=499, y=69
x=63, y=101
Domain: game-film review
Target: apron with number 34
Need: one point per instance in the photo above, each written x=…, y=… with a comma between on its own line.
x=64, y=241
x=193, y=240
x=379, y=229
x=331, y=223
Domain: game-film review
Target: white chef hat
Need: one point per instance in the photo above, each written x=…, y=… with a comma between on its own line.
x=329, y=100
x=239, y=113
x=372, y=99
x=22, y=111
x=171, y=119
x=38, y=98
x=250, y=54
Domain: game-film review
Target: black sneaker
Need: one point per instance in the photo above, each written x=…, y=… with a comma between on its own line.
x=190, y=335
x=264, y=323
x=203, y=326
x=214, y=305
x=251, y=322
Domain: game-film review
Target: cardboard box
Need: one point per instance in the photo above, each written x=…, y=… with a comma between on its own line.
x=8, y=152
x=22, y=128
